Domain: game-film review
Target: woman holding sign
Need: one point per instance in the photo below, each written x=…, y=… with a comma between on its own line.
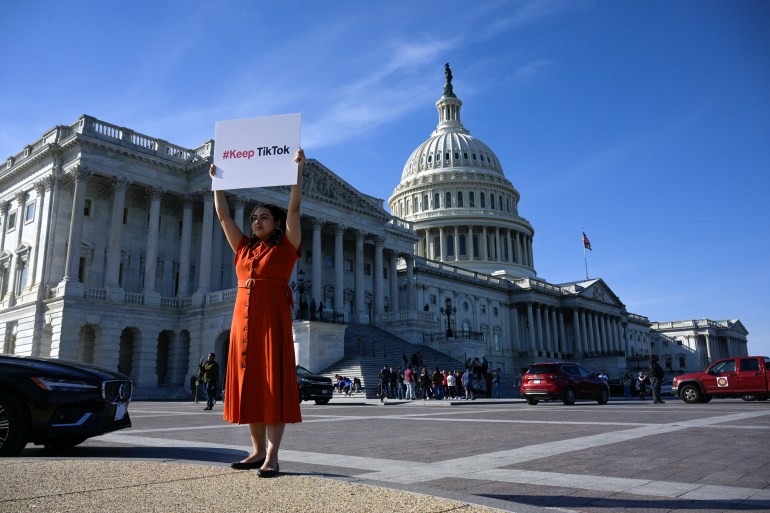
x=261, y=388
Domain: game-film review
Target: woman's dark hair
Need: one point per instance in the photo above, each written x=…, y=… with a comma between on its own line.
x=279, y=218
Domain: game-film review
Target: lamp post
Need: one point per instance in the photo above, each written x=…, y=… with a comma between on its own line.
x=302, y=287
x=637, y=358
x=448, y=311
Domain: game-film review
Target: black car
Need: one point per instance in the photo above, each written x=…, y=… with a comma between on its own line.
x=57, y=403
x=313, y=387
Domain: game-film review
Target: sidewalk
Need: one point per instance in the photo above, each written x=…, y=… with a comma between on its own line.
x=62, y=485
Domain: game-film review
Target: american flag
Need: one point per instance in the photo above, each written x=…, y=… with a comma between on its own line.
x=586, y=242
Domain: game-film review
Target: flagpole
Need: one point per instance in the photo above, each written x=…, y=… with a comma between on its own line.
x=585, y=257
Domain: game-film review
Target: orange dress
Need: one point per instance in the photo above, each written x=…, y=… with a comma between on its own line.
x=261, y=366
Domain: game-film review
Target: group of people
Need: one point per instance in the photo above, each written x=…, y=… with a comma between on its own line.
x=643, y=382
x=344, y=385
x=413, y=380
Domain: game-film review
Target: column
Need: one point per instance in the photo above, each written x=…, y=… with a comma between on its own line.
x=457, y=243
x=517, y=241
x=441, y=245
x=360, y=313
x=120, y=185
x=469, y=243
x=483, y=244
x=709, y=350
x=545, y=329
x=151, y=259
x=587, y=340
x=529, y=252
x=410, y=283
x=316, y=283
x=393, y=276
x=596, y=335
x=204, y=262
x=509, y=241
x=70, y=284
x=41, y=228
x=184, y=255
x=531, y=324
x=626, y=342
x=576, y=332
x=515, y=342
x=539, y=325
x=21, y=201
x=498, y=246
x=4, y=208
x=377, y=295
x=339, y=268
x=554, y=331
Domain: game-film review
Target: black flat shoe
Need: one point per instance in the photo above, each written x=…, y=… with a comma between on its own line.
x=240, y=465
x=269, y=472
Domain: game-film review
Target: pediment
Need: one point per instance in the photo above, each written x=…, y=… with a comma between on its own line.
x=321, y=184
x=599, y=291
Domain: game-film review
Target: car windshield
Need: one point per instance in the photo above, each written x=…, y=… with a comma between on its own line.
x=543, y=369
x=303, y=371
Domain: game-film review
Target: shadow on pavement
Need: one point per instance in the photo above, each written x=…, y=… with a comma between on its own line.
x=667, y=504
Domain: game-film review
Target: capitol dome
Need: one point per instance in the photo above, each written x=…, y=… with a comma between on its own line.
x=455, y=193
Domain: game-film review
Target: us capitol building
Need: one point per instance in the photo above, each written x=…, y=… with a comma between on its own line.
x=110, y=254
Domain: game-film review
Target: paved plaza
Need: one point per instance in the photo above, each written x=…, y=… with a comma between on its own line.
x=461, y=456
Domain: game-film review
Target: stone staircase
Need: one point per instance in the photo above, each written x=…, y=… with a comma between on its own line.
x=368, y=349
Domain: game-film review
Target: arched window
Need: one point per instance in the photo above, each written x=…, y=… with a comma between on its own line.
x=448, y=200
x=475, y=246
x=416, y=204
x=460, y=198
x=457, y=155
x=500, y=202
x=492, y=201
x=436, y=199
x=471, y=201
x=437, y=246
x=425, y=202
x=482, y=200
x=407, y=206
x=473, y=155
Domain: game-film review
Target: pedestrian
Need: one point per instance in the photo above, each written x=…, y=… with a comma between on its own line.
x=262, y=378
x=641, y=384
x=628, y=381
x=209, y=375
x=468, y=384
x=496, y=383
x=656, y=379
x=409, y=380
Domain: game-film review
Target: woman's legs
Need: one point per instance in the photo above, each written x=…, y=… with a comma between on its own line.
x=257, y=433
x=274, y=436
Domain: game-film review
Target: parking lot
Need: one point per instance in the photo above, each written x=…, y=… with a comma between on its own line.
x=624, y=456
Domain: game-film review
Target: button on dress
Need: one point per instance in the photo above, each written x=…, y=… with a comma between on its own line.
x=261, y=368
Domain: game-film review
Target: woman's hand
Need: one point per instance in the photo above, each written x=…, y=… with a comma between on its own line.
x=213, y=170
x=299, y=157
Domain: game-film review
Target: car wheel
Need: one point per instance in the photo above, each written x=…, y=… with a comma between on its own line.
x=691, y=394
x=749, y=397
x=322, y=401
x=706, y=398
x=604, y=396
x=569, y=396
x=531, y=401
x=59, y=444
x=13, y=425
x=761, y=398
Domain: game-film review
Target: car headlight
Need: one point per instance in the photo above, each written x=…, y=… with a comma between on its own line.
x=62, y=385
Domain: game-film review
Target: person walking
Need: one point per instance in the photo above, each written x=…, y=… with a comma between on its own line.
x=261, y=388
x=656, y=379
x=209, y=375
x=409, y=380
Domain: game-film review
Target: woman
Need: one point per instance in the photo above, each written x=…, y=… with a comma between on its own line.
x=641, y=385
x=262, y=377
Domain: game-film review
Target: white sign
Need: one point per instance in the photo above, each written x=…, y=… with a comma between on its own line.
x=256, y=152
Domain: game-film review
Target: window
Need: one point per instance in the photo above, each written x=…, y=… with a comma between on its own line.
x=495, y=311
x=463, y=250
x=448, y=200
x=474, y=156
x=87, y=208
x=29, y=214
x=329, y=261
x=11, y=222
x=425, y=202
x=749, y=364
x=726, y=366
x=492, y=201
x=308, y=256
x=367, y=269
x=471, y=200
x=22, y=270
x=460, y=199
x=483, y=309
x=500, y=202
x=348, y=265
x=450, y=245
x=437, y=246
x=475, y=246
x=433, y=299
x=482, y=200
x=436, y=199
x=497, y=341
x=82, y=270
x=416, y=204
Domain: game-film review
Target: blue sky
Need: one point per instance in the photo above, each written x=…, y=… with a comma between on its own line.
x=647, y=123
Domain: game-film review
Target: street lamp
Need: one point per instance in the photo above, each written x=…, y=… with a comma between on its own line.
x=637, y=358
x=302, y=287
x=448, y=311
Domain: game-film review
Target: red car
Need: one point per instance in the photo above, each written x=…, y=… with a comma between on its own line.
x=562, y=381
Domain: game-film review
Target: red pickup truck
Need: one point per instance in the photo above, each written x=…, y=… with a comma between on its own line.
x=743, y=376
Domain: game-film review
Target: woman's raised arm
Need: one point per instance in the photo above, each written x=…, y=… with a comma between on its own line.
x=293, y=228
x=232, y=232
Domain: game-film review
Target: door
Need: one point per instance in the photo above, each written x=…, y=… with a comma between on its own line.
x=721, y=377
x=751, y=378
